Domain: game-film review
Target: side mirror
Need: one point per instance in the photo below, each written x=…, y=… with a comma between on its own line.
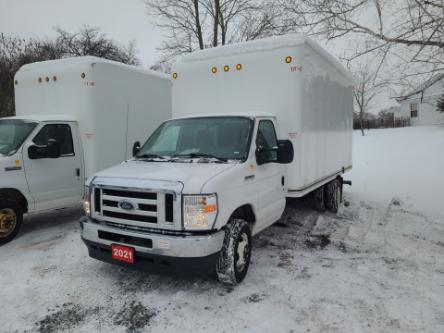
x=266, y=155
x=285, y=152
x=136, y=148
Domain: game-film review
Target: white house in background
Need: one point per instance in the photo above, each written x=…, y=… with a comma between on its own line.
x=420, y=104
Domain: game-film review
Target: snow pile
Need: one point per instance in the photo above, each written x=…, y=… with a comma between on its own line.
x=402, y=162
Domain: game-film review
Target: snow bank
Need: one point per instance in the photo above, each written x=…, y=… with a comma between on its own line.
x=402, y=162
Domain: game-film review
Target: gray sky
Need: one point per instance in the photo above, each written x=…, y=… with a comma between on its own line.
x=121, y=20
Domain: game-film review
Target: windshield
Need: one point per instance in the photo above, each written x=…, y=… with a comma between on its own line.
x=222, y=138
x=12, y=134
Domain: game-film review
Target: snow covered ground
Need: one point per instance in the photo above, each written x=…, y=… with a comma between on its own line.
x=376, y=266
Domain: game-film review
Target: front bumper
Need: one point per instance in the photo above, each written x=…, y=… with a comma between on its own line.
x=179, y=254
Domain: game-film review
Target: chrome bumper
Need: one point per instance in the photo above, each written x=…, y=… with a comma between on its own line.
x=163, y=245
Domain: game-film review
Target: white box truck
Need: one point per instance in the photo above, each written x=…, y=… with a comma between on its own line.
x=74, y=117
x=253, y=123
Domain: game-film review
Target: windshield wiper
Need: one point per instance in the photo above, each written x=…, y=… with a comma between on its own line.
x=152, y=156
x=203, y=155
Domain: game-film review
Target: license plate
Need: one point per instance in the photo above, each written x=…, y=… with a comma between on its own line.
x=123, y=253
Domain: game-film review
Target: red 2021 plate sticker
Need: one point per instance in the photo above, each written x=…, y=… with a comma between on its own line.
x=123, y=253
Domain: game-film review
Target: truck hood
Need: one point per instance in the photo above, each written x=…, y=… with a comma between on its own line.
x=188, y=177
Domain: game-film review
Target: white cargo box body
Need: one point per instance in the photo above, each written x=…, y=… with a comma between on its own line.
x=114, y=104
x=291, y=77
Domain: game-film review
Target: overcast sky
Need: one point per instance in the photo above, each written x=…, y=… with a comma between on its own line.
x=121, y=20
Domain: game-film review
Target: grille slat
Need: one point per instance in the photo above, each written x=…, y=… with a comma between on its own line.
x=129, y=212
x=124, y=216
x=130, y=194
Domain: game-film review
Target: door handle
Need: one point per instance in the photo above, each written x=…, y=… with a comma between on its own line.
x=78, y=172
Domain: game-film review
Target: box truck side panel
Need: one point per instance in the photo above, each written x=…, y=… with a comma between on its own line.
x=129, y=105
x=326, y=122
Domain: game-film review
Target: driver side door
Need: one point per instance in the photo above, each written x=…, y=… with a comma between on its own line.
x=269, y=176
x=55, y=182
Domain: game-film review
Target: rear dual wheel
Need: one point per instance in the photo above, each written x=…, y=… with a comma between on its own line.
x=333, y=195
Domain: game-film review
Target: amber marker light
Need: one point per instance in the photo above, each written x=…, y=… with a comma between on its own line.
x=174, y=75
x=239, y=67
x=83, y=75
x=214, y=70
x=226, y=68
x=47, y=79
x=288, y=59
x=54, y=78
x=40, y=80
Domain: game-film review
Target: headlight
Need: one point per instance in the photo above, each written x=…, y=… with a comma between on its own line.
x=199, y=211
x=87, y=200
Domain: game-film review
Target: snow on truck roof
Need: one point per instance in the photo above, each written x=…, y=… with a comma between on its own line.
x=266, y=44
x=86, y=61
x=44, y=118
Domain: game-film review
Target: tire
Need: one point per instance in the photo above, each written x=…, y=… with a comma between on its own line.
x=11, y=218
x=232, y=266
x=317, y=199
x=332, y=195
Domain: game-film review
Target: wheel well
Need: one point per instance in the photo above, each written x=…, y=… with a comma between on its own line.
x=244, y=212
x=10, y=193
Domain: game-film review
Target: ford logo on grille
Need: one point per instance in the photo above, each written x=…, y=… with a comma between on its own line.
x=126, y=205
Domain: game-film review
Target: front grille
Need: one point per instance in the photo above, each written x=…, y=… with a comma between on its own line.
x=143, y=208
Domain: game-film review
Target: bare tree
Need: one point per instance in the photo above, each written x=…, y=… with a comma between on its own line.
x=198, y=24
x=366, y=89
x=440, y=104
x=408, y=32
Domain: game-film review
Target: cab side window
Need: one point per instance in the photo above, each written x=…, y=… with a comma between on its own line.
x=59, y=132
x=266, y=139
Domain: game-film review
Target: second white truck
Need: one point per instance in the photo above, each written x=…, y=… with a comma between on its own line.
x=253, y=123
x=75, y=117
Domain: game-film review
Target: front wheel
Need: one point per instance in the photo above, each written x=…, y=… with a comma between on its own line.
x=11, y=218
x=234, y=258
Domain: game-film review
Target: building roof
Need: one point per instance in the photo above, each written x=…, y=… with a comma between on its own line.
x=430, y=82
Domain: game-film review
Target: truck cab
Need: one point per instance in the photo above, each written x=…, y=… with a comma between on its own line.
x=171, y=203
x=41, y=168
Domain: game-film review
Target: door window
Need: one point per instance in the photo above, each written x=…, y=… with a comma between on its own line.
x=266, y=138
x=59, y=132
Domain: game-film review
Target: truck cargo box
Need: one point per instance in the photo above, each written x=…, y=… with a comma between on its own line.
x=292, y=77
x=114, y=104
